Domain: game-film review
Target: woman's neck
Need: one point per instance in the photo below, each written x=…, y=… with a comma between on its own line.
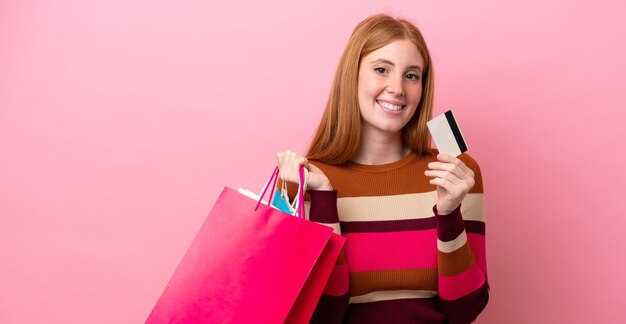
x=377, y=149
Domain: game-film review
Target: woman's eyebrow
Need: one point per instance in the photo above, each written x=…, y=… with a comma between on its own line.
x=412, y=67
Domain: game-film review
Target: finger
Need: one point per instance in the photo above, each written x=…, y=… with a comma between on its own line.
x=452, y=184
x=280, y=161
x=450, y=159
x=448, y=167
x=454, y=165
x=444, y=175
x=287, y=156
x=293, y=156
x=453, y=190
x=443, y=183
x=443, y=157
x=303, y=161
x=288, y=166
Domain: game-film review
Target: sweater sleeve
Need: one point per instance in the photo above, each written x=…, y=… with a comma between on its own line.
x=333, y=304
x=463, y=290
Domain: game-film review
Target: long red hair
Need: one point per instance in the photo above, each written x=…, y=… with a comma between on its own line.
x=338, y=136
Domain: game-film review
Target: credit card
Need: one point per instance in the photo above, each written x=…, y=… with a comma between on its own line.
x=447, y=134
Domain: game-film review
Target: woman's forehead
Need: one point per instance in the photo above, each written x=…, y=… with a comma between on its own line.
x=397, y=53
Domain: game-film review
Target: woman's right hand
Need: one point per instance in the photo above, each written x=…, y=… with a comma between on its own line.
x=289, y=163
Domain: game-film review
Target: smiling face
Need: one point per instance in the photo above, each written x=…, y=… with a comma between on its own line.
x=389, y=87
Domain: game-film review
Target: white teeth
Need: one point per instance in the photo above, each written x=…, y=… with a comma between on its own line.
x=389, y=106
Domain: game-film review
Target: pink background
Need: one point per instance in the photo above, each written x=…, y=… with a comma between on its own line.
x=121, y=121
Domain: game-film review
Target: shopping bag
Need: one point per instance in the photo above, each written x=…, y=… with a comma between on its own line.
x=250, y=263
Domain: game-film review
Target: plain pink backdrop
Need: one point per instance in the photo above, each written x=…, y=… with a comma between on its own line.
x=121, y=121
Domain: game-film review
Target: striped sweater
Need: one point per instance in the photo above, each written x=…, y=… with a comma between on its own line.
x=402, y=262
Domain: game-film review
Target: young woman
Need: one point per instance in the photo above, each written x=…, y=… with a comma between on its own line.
x=413, y=219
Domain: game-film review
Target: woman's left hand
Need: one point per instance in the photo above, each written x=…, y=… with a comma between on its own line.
x=453, y=179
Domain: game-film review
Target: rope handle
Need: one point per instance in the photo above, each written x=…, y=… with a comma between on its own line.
x=297, y=206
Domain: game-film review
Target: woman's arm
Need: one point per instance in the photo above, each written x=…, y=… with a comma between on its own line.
x=463, y=290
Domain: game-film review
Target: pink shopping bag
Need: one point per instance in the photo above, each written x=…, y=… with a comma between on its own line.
x=250, y=263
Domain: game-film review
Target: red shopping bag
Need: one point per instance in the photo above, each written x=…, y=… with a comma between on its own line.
x=250, y=263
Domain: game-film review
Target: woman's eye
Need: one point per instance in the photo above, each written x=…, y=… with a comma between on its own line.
x=380, y=70
x=412, y=76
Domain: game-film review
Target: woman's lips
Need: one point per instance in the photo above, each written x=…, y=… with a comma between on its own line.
x=390, y=107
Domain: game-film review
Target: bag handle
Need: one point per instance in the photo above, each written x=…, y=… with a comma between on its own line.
x=301, y=188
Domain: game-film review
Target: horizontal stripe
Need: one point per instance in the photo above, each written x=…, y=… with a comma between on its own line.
x=400, y=177
x=389, y=226
x=382, y=208
x=406, y=175
x=410, y=310
x=477, y=244
x=453, y=263
x=453, y=245
x=391, y=295
x=455, y=287
x=395, y=250
x=402, y=207
x=362, y=283
x=337, y=284
x=473, y=207
x=476, y=227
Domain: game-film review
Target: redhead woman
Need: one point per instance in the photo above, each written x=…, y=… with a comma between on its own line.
x=413, y=219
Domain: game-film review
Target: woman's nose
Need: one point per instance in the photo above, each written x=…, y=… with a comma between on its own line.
x=395, y=85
